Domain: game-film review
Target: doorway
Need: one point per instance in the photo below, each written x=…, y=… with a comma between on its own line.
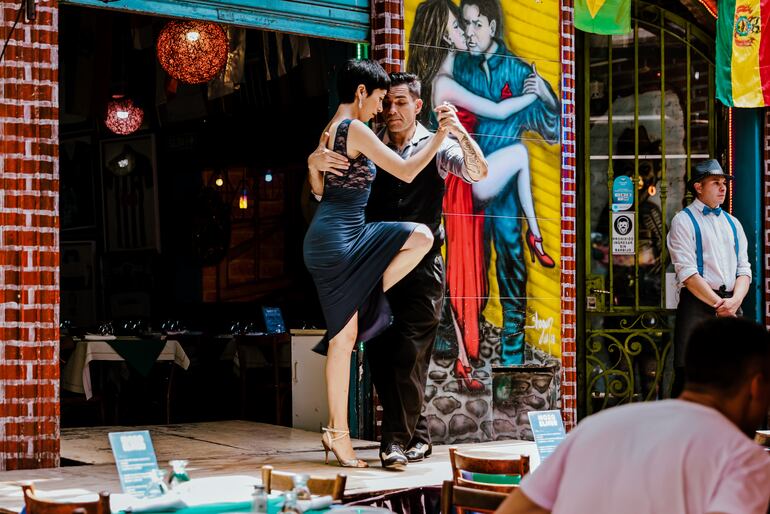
x=650, y=111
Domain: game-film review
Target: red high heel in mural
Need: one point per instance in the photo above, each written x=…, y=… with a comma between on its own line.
x=463, y=372
x=543, y=258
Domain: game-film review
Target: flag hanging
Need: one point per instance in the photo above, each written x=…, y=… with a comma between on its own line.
x=603, y=16
x=743, y=53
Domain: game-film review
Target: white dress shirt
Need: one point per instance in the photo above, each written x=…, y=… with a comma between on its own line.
x=720, y=265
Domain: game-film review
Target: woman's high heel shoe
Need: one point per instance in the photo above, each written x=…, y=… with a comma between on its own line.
x=542, y=257
x=327, y=439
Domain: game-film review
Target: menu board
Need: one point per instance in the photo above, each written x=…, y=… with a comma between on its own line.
x=136, y=462
x=273, y=320
x=548, y=429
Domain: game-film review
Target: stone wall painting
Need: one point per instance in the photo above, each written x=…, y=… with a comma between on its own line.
x=497, y=354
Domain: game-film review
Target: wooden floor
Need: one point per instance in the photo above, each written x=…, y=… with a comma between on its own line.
x=231, y=448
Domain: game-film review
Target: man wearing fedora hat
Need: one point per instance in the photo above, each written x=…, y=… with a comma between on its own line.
x=709, y=251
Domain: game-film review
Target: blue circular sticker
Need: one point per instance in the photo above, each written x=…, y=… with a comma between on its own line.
x=622, y=193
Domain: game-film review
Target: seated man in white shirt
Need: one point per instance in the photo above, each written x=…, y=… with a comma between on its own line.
x=689, y=455
x=709, y=251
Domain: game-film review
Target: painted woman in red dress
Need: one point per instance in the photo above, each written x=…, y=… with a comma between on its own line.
x=436, y=36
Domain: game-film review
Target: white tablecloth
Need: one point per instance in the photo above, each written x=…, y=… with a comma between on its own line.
x=76, y=374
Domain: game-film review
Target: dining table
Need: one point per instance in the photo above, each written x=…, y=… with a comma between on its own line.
x=139, y=352
x=211, y=495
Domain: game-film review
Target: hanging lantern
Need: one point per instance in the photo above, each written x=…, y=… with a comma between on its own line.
x=192, y=51
x=123, y=117
x=243, y=199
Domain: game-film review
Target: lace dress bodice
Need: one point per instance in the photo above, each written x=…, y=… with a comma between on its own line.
x=362, y=170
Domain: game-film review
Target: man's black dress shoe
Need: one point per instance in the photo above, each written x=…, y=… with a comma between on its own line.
x=392, y=457
x=419, y=452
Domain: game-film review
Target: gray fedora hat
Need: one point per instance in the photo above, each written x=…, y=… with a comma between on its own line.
x=704, y=169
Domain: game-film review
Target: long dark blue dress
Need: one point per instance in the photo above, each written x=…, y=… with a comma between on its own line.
x=347, y=256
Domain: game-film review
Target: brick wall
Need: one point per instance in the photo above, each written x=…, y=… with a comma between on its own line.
x=568, y=220
x=388, y=34
x=388, y=49
x=29, y=240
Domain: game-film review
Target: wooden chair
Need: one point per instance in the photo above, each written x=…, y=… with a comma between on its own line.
x=468, y=499
x=35, y=505
x=462, y=462
x=322, y=486
x=270, y=345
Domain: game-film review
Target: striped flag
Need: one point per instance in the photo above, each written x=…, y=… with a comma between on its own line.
x=743, y=53
x=603, y=16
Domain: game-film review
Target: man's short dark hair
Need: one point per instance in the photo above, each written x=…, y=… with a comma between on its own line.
x=411, y=81
x=722, y=353
x=491, y=9
x=355, y=72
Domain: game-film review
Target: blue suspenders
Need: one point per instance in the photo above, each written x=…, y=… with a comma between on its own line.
x=699, y=239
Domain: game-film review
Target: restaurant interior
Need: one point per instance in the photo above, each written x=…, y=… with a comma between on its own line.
x=182, y=213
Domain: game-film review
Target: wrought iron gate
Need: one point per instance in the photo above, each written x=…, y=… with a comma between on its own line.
x=650, y=110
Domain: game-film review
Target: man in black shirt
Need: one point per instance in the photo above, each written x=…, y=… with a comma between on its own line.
x=400, y=357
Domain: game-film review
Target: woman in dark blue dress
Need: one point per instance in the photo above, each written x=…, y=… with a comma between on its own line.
x=353, y=262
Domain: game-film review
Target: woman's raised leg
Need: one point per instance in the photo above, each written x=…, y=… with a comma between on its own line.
x=410, y=255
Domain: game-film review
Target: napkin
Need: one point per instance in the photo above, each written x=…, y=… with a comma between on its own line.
x=169, y=502
x=318, y=503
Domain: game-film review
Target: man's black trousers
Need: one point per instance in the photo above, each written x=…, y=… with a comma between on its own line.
x=399, y=358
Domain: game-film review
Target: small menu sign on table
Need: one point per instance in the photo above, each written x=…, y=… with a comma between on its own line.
x=548, y=429
x=136, y=462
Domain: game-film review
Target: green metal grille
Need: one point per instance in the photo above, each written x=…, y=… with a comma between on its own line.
x=649, y=111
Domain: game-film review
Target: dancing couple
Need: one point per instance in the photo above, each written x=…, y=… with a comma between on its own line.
x=356, y=255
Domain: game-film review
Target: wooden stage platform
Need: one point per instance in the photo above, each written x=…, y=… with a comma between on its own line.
x=232, y=448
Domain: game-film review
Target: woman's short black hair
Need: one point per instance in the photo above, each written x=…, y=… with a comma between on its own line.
x=355, y=72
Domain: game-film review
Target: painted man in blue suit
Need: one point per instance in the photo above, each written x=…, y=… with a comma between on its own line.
x=490, y=70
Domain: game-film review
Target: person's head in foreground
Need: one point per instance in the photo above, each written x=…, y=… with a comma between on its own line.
x=689, y=455
x=363, y=84
x=728, y=368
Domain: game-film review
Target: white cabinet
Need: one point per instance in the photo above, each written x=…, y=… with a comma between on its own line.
x=310, y=409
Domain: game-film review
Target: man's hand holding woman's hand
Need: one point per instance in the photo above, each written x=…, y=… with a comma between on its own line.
x=448, y=120
x=325, y=160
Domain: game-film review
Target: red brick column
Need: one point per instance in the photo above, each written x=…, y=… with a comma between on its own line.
x=568, y=219
x=388, y=50
x=388, y=34
x=29, y=239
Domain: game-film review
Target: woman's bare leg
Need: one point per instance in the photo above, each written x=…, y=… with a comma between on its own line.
x=410, y=255
x=506, y=164
x=338, y=383
x=462, y=353
x=524, y=183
